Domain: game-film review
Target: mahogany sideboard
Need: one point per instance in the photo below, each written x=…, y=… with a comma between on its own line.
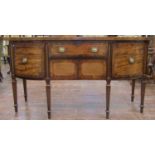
x=78, y=58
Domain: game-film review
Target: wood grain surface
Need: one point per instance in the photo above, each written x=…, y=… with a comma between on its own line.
x=35, y=61
x=120, y=59
x=92, y=69
x=63, y=69
x=73, y=37
x=82, y=49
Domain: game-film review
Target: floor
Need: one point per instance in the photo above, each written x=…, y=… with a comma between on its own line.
x=75, y=100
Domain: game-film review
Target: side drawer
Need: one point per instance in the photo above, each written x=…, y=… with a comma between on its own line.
x=29, y=60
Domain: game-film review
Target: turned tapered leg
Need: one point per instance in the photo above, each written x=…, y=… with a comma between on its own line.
x=25, y=89
x=48, y=93
x=108, y=88
x=14, y=87
x=133, y=91
x=143, y=85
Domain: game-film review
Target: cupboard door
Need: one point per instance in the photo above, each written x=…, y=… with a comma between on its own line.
x=63, y=69
x=92, y=69
x=128, y=59
x=29, y=60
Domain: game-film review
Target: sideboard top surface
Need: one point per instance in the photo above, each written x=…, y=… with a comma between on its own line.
x=68, y=38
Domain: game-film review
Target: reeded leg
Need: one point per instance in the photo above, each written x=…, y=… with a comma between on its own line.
x=14, y=87
x=25, y=89
x=133, y=91
x=108, y=88
x=142, y=95
x=48, y=93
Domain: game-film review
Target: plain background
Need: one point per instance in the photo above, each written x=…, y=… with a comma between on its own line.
x=80, y=17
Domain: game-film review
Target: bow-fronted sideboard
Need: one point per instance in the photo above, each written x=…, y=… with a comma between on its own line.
x=78, y=58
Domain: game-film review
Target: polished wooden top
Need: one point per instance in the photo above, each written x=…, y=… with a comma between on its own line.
x=71, y=37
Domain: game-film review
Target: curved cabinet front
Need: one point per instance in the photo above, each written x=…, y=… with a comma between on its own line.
x=29, y=60
x=128, y=60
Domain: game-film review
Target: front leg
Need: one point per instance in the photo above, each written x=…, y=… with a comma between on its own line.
x=133, y=90
x=48, y=93
x=25, y=89
x=14, y=88
x=143, y=85
x=108, y=89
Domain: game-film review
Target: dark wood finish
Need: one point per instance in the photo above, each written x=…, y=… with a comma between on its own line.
x=14, y=88
x=133, y=90
x=108, y=89
x=47, y=78
x=75, y=58
x=48, y=93
x=80, y=38
x=143, y=85
x=108, y=80
x=14, y=81
x=25, y=89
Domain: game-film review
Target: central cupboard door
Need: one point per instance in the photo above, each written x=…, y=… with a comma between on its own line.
x=92, y=69
x=63, y=69
x=77, y=69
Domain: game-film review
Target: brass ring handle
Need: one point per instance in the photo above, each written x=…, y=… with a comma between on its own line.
x=61, y=49
x=131, y=60
x=94, y=49
x=24, y=60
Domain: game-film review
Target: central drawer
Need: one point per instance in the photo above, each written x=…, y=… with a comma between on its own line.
x=78, y=49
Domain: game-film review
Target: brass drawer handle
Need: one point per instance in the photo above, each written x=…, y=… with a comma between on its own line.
x=24, y=60
x=61, y=49
x=94, y=49
x=131, y=60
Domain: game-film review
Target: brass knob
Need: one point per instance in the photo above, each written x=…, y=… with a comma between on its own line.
x=94, y=49
x=131, y=60
x=61, y=49
x=24, y=60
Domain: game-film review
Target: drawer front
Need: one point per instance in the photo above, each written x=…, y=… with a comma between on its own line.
x=81, y=49
x=92, y=69
x=63, y=69
x=128, y=59
x=29, y=60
